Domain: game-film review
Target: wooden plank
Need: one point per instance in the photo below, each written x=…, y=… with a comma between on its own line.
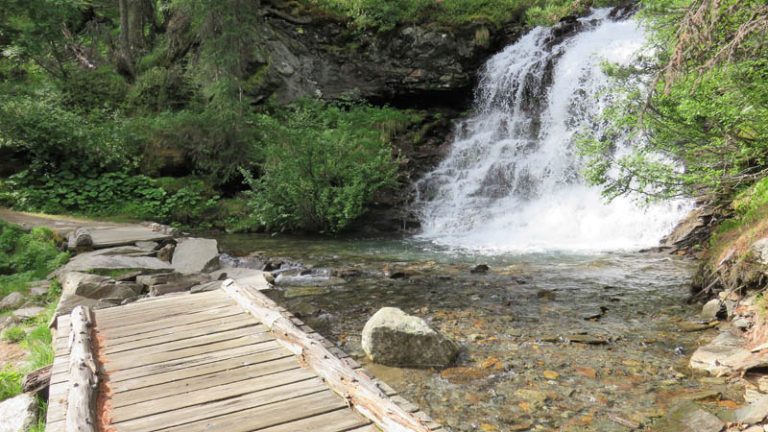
x=129, y=362
x=335, y=421
x=175, y=365
x=81, y=399
x=265, y=416
x=169, y=346
x=113, y=327
x=57, y=402
x=252, y=376
x=151, y=303
x=215, y=322
x=369, y=428
x=356, y=388
x=217, y=401
x=191, y=318
x=226, y=364
x=166, y=333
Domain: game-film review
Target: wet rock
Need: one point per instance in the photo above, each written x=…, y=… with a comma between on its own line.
x=18, y=413
x=307, y=278
x=195, y=255
x=713, y=309
x=28, y=312
x=594, y=315
x=392, y=337
x=688, y=417
x=689, y=326
x=588, y=339
x=548, y=295
x=534, y=397
x=304, y=310
x=294, y=292
x=480, y=269
x=720, y=356
x=12, y=300
x=755, y=412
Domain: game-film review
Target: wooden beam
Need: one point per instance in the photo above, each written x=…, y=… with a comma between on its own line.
x=83, y=381
x=357, y=388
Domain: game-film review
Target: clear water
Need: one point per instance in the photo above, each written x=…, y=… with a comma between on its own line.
x=514, y=324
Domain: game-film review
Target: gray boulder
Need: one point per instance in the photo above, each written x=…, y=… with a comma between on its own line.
x=12, y=301
x=760, y=250
x=195, y=255
x=18, y=413
x=28, y=312
x=88, y=289
x=713, y=309
x=392, y=337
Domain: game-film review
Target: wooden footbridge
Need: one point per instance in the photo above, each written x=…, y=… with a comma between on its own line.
x=228, y=360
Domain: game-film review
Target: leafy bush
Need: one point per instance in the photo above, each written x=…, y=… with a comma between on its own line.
x=25, y=257
x=56, y=138
x=14, y=334
x=114, y=194
x=10, y=382
x=323, y=163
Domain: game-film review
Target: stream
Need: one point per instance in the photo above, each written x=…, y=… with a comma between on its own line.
x=550, y=341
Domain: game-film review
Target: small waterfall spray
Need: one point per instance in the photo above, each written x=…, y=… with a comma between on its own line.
x=511, y=181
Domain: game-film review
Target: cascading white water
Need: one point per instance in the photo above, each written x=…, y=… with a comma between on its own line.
x=511, y=181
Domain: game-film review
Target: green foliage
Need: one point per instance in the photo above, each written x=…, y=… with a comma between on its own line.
x=704, y=128
x=101, y=88
x=56, y=138
x=323, y=163
x=385, y=15
x=25, y=257
x=38, y=344
x=114, y=194
x=14, y=334
x=10, y=382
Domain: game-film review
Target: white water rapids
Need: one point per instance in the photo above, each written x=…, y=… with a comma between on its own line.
x=511, y=181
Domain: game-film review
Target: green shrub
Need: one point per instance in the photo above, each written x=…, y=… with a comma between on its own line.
x=14, y=334
x=323, y=163
x=25, y=257
x=100, y=88
x=114, y=194
x=10, y=382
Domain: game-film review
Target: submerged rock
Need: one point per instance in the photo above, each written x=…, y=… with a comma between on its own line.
x=688, y=417
x=394, y=338
x=18, y=413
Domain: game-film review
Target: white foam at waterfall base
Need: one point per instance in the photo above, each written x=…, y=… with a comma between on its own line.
x=511, y=182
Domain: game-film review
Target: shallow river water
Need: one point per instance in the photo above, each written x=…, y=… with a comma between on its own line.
x=549, y=341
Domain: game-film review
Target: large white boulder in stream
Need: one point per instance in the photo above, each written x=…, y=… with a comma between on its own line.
x=392, y=337
x=195, y=255
x=18, y=413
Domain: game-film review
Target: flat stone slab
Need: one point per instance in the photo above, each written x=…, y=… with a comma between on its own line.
x=28, y=312
x=195, y=255
x=112, y=259
x=719, y=357
x=249, y=278
x=753, y=413
x=12, y=300
x=125, y=235
x=18, y=413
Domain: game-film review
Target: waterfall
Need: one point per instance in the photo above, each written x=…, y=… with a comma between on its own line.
x=511, y=181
